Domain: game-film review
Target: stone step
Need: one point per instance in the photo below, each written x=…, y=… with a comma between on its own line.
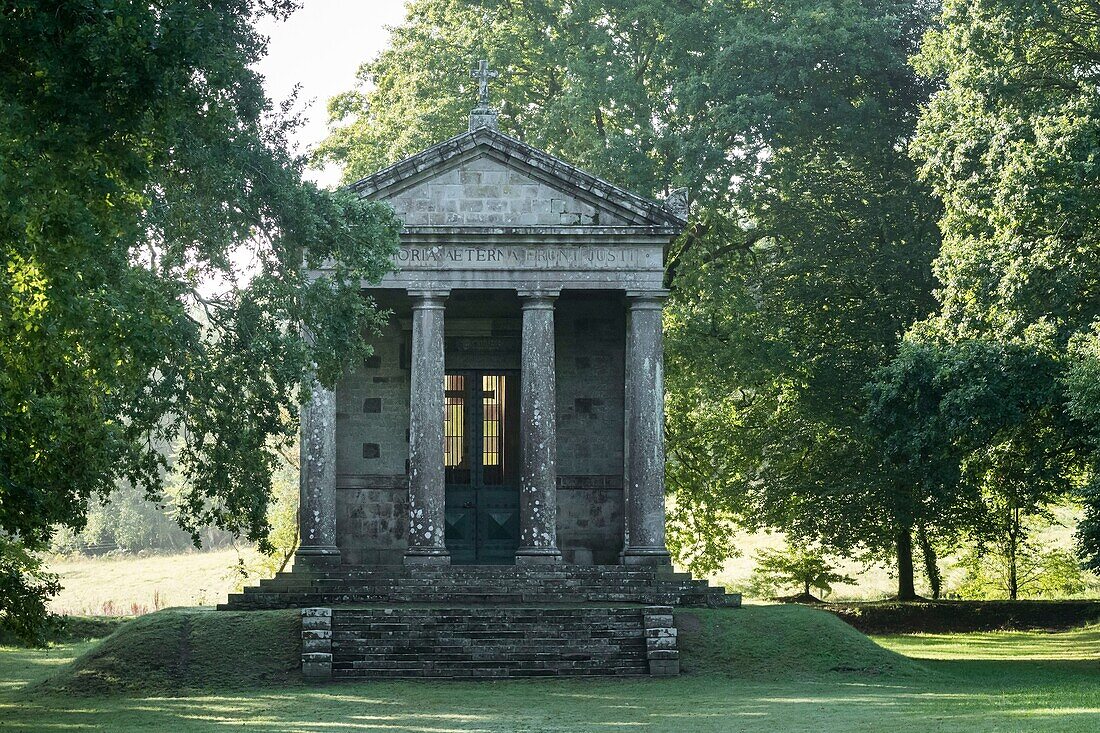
x=471, y=584
x=485, y=642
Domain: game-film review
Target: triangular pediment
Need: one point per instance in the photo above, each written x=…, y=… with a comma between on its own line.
x=484, y=178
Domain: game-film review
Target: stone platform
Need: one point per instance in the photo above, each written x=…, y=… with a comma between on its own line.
x=480, y=584
x=484, y=621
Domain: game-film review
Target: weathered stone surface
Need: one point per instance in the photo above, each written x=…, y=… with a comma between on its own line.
x=426, y=490
x=483, y=584
x=645, y=433
x=310, y=646
x=538, y=434
x=664, y=667
x=488, y=642
x=317, y=644
x=659, y=621
x=317, y=512
x=485, y=142
x=484, y=191
x=662, y=654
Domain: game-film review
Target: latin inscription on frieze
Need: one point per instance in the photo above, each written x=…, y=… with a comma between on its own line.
x=538, y=257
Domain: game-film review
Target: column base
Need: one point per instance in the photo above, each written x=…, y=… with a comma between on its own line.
x=646, y=556
x=311, y=557
x=427, y=556
x=538, y=556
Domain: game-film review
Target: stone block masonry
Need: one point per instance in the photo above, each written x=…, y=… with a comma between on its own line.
x=662, y=650
x=317, y=644
x=487, y=642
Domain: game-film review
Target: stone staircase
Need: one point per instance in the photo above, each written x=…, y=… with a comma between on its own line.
x=488, y=642
x=480, y=585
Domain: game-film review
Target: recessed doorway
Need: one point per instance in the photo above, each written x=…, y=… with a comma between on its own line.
x=481, y=461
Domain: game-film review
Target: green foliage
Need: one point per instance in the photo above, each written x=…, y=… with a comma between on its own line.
x=282, y=516
x=130, y=522
x=700, y=537
x=1009, y=144
x=1082, y=380
x=1038, y=573
x=969, y=617
x=795, y=286
x=810, y=251
x=25, y=590
x=153, y=230
x=794, y=567
x=583, y=80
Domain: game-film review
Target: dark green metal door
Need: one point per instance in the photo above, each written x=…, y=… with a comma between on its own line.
x=481, y=457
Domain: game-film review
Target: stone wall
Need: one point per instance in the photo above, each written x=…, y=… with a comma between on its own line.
x=591, y=340
x=372, y=448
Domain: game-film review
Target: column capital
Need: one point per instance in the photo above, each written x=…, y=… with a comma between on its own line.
x=640, y=299
x=537, y=299
x=433, y=298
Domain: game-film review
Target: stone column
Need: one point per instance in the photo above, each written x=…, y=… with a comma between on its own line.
x=317, y=482
x=645, y=431
x=427, y=499
x=538, y=538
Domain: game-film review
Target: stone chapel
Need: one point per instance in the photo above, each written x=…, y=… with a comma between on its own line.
x=504, y=444
x=513, y=410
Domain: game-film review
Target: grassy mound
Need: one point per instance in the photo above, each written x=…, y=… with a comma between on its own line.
x=187, y=649
x=72, y=628
x=192, y=650
x=781, y=642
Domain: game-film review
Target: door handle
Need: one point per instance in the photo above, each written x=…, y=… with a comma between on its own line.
x=468, y=505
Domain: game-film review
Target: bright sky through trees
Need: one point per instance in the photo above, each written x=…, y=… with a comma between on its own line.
x=320, y=47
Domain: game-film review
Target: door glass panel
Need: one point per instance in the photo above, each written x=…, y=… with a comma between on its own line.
x=492, y=428
x=456, y=459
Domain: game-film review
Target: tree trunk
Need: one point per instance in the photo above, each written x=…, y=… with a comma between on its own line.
x=1013, y=541
x=931, y=568
x=806, y=588
x=906, y=589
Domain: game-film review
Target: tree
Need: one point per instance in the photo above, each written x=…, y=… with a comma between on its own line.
x=1082, y=380
x=788, y=297
x=980, y=425
x=1009, y=145
x=153, y=230
x=810, y=250
x=580, y=79
x=803, y=568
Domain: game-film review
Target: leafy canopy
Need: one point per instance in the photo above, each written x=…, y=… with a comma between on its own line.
x=153, y=229
x=1010, y=144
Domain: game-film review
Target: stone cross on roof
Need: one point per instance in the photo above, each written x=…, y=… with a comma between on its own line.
x=483, y=74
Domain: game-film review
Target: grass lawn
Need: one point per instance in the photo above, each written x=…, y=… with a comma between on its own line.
x=755, y=669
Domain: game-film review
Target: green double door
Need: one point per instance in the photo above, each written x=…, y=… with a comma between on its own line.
x=481, y=460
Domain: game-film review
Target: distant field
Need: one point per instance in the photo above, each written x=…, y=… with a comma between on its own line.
x=130, y=585
x=877, y=582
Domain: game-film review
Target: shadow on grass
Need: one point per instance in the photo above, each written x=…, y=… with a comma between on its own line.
x=23, y=666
